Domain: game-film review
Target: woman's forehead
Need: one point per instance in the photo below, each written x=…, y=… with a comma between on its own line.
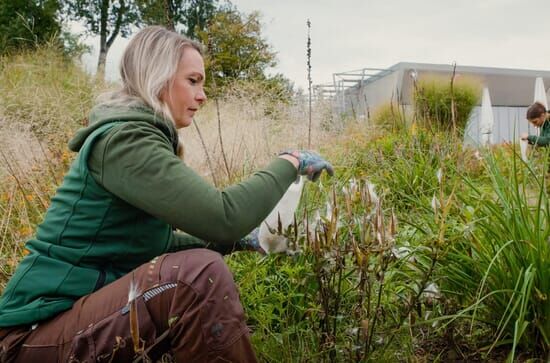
x=191, y=61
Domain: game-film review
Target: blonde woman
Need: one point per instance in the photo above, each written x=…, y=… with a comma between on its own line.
x=109, y=276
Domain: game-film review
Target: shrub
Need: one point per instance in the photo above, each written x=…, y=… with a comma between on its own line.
x=433, y=99
x=501, y=268
x=390, y=117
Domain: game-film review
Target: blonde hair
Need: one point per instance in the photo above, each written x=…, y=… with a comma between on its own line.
x=148, y=65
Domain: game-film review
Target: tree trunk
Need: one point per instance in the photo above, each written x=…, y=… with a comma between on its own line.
x=169, y=15
x=101, y=61
x=103, y=48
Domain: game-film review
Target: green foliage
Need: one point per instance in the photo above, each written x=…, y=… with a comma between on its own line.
x=434, y=97
x=358, y=289
x=194, y=15
x=105, y=18
x=390, y=117
x=237, y=51
x=502, y=267
x=278, y=294
x=27, y=23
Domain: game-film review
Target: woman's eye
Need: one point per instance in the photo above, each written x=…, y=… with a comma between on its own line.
x=193, y=80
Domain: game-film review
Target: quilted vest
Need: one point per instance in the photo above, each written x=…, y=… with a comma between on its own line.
x=89, y=238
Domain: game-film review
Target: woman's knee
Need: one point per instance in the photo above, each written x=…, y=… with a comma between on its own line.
x=206, y=301
x=200, y=268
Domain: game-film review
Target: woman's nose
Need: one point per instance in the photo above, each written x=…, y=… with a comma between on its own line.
x=201, y=96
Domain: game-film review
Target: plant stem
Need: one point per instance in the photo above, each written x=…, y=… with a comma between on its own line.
x=208, y=161
x=309, y=80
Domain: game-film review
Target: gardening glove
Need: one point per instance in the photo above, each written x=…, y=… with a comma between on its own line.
x=250, y=242
x=311, y=164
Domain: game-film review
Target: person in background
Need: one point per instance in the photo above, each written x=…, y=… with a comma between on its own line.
x=537, y=115
x=126, y=263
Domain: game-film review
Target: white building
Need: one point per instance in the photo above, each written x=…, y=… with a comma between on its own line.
x=511, y=91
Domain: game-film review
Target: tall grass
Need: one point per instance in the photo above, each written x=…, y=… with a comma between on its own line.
x=254, y=129
x=503, y=265
x=43, y=99
x=379, y=277
x=444, y=105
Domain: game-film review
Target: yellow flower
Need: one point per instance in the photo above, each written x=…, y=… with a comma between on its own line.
x=414, y=129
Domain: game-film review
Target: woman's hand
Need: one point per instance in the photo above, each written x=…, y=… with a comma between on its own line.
x=250, y=242
x=309, y=163
x=524, y=136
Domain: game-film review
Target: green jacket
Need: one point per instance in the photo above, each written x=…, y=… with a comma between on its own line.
x=117, y=208
x=544, y=138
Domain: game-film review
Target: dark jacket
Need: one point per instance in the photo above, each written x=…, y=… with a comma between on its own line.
x=544, y=138
x=117, y=208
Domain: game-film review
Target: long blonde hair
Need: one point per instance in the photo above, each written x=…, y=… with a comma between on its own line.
x=148, y=65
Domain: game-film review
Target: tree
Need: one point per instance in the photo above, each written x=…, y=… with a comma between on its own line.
x=27, y=23
x=106, y=18
x=197, y=15
x=235, y=49
x=193, y=15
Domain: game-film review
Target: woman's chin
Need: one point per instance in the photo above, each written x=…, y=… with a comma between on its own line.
x=182, y=123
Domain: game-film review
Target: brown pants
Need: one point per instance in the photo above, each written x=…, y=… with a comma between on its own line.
x=188, y=305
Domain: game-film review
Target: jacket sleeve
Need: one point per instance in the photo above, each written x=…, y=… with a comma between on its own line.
x=183, y=241
x=136, y=163
x=538, y=140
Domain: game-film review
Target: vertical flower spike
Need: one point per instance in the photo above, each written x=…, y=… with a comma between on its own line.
x=435, y=204
x=439, y=175
x=393, y=224
x=371, y=188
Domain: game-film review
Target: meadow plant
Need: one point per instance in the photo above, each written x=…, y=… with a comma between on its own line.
x=443, y=104
x=501, y=268
x=43, y=100
x=255, y=128
x=390, y=117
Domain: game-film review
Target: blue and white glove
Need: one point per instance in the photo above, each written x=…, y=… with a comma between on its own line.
x=250, y=242
x=311, y=164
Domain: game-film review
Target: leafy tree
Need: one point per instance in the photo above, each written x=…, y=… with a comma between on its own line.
x=106, y=18
x=197, y=15
x=236, y=49
x=26, y=23
x=193, y=15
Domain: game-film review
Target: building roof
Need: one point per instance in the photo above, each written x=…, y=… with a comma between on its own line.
x=507, y=86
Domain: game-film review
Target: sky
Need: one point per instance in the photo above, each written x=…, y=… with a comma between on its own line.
x=353, y=34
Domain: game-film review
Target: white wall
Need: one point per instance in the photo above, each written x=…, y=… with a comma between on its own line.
x=509, y=123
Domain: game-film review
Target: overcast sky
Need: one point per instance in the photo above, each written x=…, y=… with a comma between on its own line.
x=353, y=34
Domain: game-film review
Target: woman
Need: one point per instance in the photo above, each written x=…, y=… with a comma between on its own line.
x=111, y=226
x=538, y=116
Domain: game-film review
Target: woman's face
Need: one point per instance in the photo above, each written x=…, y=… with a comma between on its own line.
x=185, y=94
x=538, y=121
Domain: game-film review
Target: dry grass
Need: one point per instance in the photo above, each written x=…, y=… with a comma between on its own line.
x=44, y=99
x=254, y=128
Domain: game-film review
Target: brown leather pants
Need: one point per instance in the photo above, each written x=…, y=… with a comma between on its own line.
x=188, y=306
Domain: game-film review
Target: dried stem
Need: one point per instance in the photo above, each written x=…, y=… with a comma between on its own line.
x=453, y=105
x=309, y=80
x=227, y=169
x=208, y=160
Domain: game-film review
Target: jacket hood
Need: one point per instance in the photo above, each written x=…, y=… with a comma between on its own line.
x=103, y=114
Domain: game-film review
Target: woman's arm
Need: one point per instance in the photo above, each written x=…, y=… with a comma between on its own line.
x=136, y=163
x=538, y=140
